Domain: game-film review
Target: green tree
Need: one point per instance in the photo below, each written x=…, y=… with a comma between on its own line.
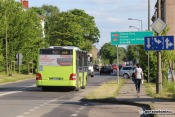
x=22, y=29
x=108, y=53
x=72, y=28
x=143, y=59
x=121, y=55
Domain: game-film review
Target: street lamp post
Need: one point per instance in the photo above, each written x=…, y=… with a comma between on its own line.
x=134, y=27
x=137, y=20
x=141, y=28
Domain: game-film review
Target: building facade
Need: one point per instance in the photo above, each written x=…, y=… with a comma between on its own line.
x=95, y=54
x=167, y=14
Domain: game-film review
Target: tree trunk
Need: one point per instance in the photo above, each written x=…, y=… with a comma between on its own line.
x=171, y=70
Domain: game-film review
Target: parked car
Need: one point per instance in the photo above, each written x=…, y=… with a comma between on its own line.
x=115, y=67
x=96, y=67
x=127, y=71
x=106, y=69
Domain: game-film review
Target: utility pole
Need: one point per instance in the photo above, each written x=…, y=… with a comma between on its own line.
x=148, y=30
x=118, y=67
x=159, y=72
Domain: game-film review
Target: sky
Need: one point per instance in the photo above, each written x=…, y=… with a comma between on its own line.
x=109, y=15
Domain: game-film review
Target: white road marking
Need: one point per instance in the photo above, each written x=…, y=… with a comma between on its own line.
x=81, y=108
x=26, y=113
x=41, y=105
x=17, y=91
x=31, y=110
x=36, y=107
x=20, y=116
x=74, y=115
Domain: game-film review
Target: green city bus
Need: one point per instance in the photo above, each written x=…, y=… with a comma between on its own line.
x=62, y=66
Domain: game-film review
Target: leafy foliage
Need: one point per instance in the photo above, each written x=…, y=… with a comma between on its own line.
x=72, y=28
x=143, y=59
x=109, y=53
x=22, y=29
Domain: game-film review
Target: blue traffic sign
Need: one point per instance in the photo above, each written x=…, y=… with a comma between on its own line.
x=159, y=43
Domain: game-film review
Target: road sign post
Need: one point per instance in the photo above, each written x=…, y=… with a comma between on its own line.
x=159, y=43
x=19, y=57
x=129, y=38
x=158, y=26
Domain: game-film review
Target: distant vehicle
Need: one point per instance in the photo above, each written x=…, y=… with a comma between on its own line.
x=106, y=69
x=115, y=67
x=169, y=77
x=63, y=66
x=96, y=67
x=127, y=71
x=90, y=66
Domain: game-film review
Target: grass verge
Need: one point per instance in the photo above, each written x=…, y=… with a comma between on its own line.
x=106, y=91
x=14, y=77
x=167, y=92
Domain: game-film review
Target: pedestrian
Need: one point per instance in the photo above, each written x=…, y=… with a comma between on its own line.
x=133, y=77
x=138, y=77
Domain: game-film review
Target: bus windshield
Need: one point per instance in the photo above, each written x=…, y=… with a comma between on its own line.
x=50, y=57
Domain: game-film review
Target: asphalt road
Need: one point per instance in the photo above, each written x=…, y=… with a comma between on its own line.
x=24, y=99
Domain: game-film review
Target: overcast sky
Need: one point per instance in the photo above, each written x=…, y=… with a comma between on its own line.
x=110, y=15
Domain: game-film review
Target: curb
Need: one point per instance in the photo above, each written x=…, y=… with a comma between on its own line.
x=116, y=101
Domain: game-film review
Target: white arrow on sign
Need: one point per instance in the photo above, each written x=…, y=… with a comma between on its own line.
x=168, y=43
x=148, y=43
x=157, y=41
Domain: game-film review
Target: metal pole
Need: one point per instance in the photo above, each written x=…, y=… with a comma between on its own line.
x=118, y=67
x=148, y=30
x=141, y=25
x=159, y=73
x=6, y=43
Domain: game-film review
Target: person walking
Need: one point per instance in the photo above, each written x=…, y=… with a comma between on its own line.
x=138, y=77
x=133, y=78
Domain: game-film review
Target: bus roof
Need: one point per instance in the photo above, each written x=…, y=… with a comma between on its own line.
x=65, y=47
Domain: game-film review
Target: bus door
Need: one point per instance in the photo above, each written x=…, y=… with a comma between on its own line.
x=85, y=67
x=77, y=69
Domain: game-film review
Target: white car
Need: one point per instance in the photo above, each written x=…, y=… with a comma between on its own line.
x=91, y=70
x=127, y=71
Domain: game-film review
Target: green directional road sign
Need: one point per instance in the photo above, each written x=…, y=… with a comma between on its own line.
x=129, y=38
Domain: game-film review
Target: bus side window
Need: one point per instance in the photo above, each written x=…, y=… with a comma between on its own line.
x=80, y=59
x=77, y=60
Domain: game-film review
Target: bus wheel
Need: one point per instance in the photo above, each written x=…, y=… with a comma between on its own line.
x=83, y=87
x=77, y=89
x=44, y=88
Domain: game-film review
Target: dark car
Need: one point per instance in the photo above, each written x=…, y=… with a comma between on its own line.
x=96, y=67
x=106, y=69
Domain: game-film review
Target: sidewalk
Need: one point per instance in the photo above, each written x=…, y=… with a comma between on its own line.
x=128, y=93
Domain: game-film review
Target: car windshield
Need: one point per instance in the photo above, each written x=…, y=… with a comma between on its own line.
x=108, y=67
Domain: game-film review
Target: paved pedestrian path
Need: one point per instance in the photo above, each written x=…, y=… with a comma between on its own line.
x=128, y=93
